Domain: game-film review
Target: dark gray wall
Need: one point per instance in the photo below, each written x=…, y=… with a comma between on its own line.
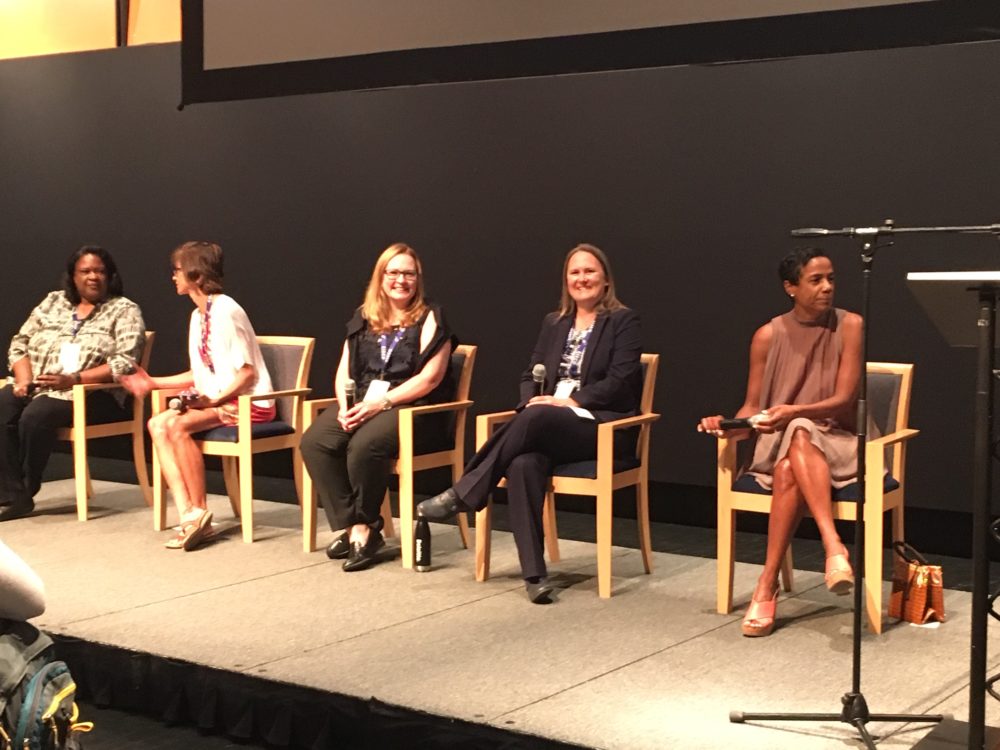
x=689, y=177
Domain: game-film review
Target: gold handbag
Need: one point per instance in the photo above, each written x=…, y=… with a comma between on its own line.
x=917, y=587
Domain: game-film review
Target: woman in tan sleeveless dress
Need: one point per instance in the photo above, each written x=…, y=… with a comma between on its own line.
x=805, y=367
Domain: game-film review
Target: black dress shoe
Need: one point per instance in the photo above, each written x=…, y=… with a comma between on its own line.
x=440, y=507
x=340, y=547
x=17, y=509
x=363, y=556
x=540, y=591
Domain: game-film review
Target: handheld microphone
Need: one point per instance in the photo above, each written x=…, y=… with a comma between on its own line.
x=538, y=376
x=182, y=400
x=743, y=422
x=350, y=392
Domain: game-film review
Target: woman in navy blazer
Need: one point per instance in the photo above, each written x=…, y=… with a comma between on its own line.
x=590, y=350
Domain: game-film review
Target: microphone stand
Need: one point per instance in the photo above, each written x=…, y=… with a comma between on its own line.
x=855, y=709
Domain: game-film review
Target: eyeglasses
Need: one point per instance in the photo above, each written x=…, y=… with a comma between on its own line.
x=175, y=270
x=407, y=275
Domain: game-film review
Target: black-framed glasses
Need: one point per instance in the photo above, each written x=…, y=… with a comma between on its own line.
x=406, y=275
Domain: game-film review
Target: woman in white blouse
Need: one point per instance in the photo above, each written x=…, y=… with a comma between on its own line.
x=225, y=363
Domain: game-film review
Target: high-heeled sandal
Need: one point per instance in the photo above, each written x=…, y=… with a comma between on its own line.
x=760, y=617
x=839, y=574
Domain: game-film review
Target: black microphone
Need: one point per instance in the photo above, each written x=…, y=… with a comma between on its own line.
x=538, y=375
x=350, y=392
x=887, y=227
x=742, y=423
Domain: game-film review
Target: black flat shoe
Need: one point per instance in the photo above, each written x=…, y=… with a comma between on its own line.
x=17, y=509
x=440, y=507
x=363, y=556
x=539, y=592
x=340, y=547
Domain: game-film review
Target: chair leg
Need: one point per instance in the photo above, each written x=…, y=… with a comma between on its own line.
x=230, y=474
x=605, y=498
x=81, y=475
x=246, y=494
x=642, y=515
x=308, y=497
x=389, y=529
x=463, y=518
x=159, y=506
x=139, y=457
x=484, y=523
x=898, y=529
x=725, y=545
x=406, y=514
x=297, y=473
x=549, y=528
x=873, y=566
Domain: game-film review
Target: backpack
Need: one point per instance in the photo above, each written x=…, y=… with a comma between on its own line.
x=37, y=707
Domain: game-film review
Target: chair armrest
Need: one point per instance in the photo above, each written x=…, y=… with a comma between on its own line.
x=893, y=437
x=88, y=387
x=277, y=394
x=431, y=408
x=158, y=397
x=626, y=422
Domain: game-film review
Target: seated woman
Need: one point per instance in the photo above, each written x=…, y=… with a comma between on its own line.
x=225, y=363
x=85, y=333
x=590, y=349
x=805, y=369
x=397, y=352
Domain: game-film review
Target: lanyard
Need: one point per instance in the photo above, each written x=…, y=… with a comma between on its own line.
x=576, y=345
x=206, y=330
x=77, y=323
x=386, y=348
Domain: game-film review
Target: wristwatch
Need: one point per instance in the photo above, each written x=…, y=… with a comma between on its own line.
x=386, y=403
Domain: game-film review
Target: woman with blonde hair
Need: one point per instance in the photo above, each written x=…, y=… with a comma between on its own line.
x=397, y=352
x=590, y=350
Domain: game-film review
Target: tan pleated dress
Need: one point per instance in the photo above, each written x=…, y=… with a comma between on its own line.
x=801, y=368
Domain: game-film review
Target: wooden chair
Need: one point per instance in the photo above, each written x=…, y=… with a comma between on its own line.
x=287, y=359
x=463, y=360
x=889, y=388
x=598, y=478
x=80, y=432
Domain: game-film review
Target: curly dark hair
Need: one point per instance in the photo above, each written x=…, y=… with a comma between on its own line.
x=115, y=286
x=790, y=268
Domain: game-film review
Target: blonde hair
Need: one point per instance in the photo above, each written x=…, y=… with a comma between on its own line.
x=608, y=301
x=376, y=308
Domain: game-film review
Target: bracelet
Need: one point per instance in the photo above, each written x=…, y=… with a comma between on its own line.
x=386, y=403
x=77, y=377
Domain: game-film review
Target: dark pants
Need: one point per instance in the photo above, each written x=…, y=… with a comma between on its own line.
x=28, y=435
x=351, y=469
x=525, y=450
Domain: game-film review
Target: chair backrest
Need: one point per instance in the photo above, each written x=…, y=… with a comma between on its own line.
x=147, y=350
x=462, y=361
x=889, y=386
x=287, y=359
x=650, y=364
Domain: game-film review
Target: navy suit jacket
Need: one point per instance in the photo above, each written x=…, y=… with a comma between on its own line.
x=610, y=374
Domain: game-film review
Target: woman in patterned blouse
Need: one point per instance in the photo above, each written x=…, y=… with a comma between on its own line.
x=85, y=333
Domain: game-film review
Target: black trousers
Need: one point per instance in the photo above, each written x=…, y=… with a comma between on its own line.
x=351, y=469
x=28, y=434
x=524, y=451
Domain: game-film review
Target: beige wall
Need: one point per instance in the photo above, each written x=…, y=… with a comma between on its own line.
x=45, y=27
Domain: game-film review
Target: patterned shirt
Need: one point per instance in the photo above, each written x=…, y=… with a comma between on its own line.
x=112, y=334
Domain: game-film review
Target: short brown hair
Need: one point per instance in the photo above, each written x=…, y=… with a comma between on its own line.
x=201, y=264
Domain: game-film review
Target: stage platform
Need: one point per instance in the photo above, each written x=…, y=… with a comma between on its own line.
x=653, y=667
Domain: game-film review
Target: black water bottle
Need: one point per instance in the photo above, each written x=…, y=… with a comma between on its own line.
x=422, y=546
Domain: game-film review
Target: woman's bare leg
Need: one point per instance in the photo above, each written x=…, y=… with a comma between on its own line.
x=786, y=512
x=181, y=460
x=812, y=474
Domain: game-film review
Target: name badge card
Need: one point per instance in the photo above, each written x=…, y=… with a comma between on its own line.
x=377, y=390
x=69, y=357
x=565, y=388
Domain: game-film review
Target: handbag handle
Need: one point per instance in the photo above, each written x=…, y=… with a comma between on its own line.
x=908, y=553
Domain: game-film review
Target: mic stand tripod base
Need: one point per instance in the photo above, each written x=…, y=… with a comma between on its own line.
x=855, y=713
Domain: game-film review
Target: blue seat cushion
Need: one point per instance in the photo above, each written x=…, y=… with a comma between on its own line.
x=588, y=469
x=747, y=483
x=257, y=430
